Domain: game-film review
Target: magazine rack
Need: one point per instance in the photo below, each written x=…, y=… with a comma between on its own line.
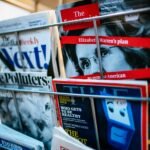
x=94, y=19
x=129, y=12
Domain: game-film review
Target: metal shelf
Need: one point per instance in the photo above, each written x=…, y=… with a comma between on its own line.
x=76, y=95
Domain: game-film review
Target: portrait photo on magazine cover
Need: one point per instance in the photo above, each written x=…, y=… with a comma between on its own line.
x=82, y=59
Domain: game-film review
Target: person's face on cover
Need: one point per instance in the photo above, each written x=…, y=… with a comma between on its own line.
x=113, y=58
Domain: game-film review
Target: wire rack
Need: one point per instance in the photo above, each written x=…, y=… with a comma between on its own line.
x=94, y=19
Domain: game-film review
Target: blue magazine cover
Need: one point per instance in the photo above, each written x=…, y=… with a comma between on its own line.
x=121, y=123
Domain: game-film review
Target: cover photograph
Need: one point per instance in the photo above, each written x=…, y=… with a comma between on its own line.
x=36, y=110
x=37, y=113
x=122, y=123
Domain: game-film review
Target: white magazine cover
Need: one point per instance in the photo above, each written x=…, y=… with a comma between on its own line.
x=33, y=42
x=35, y=106
x=12, y=139
x=63, y=141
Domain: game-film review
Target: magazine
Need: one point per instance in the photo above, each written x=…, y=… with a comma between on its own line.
x=63, y=141
x=35, y=107
x=32, y=49
x=123, y=40
x=121, y=123
x=109, y=7
x=11, y=139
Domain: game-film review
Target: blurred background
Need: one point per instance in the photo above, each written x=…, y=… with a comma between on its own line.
x=15, y=8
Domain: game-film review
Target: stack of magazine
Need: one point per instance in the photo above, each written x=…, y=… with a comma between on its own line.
x=13, y=140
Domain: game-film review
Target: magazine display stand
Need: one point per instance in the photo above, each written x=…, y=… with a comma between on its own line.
x=93, y=19
x=62, y=72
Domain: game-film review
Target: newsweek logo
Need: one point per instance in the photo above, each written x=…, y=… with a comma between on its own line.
x=80, y=12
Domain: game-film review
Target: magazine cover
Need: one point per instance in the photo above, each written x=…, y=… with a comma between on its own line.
x=34, y=46
x=63, y=141
x=123, y=40
x=77, y=10
x=11, y=139
x=109, y=7
x=121, y=123
x=35, y=109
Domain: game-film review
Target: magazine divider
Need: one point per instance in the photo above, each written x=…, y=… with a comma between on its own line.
x=77, y=95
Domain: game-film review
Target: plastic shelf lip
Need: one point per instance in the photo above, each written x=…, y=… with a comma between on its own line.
x=140, y=10
x=78, y=95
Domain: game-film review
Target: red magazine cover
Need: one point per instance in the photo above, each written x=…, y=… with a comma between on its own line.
x=121, y=123
x=123, y=41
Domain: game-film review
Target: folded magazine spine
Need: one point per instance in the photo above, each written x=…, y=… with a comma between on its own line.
x=11, y=139
x=10, y=145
